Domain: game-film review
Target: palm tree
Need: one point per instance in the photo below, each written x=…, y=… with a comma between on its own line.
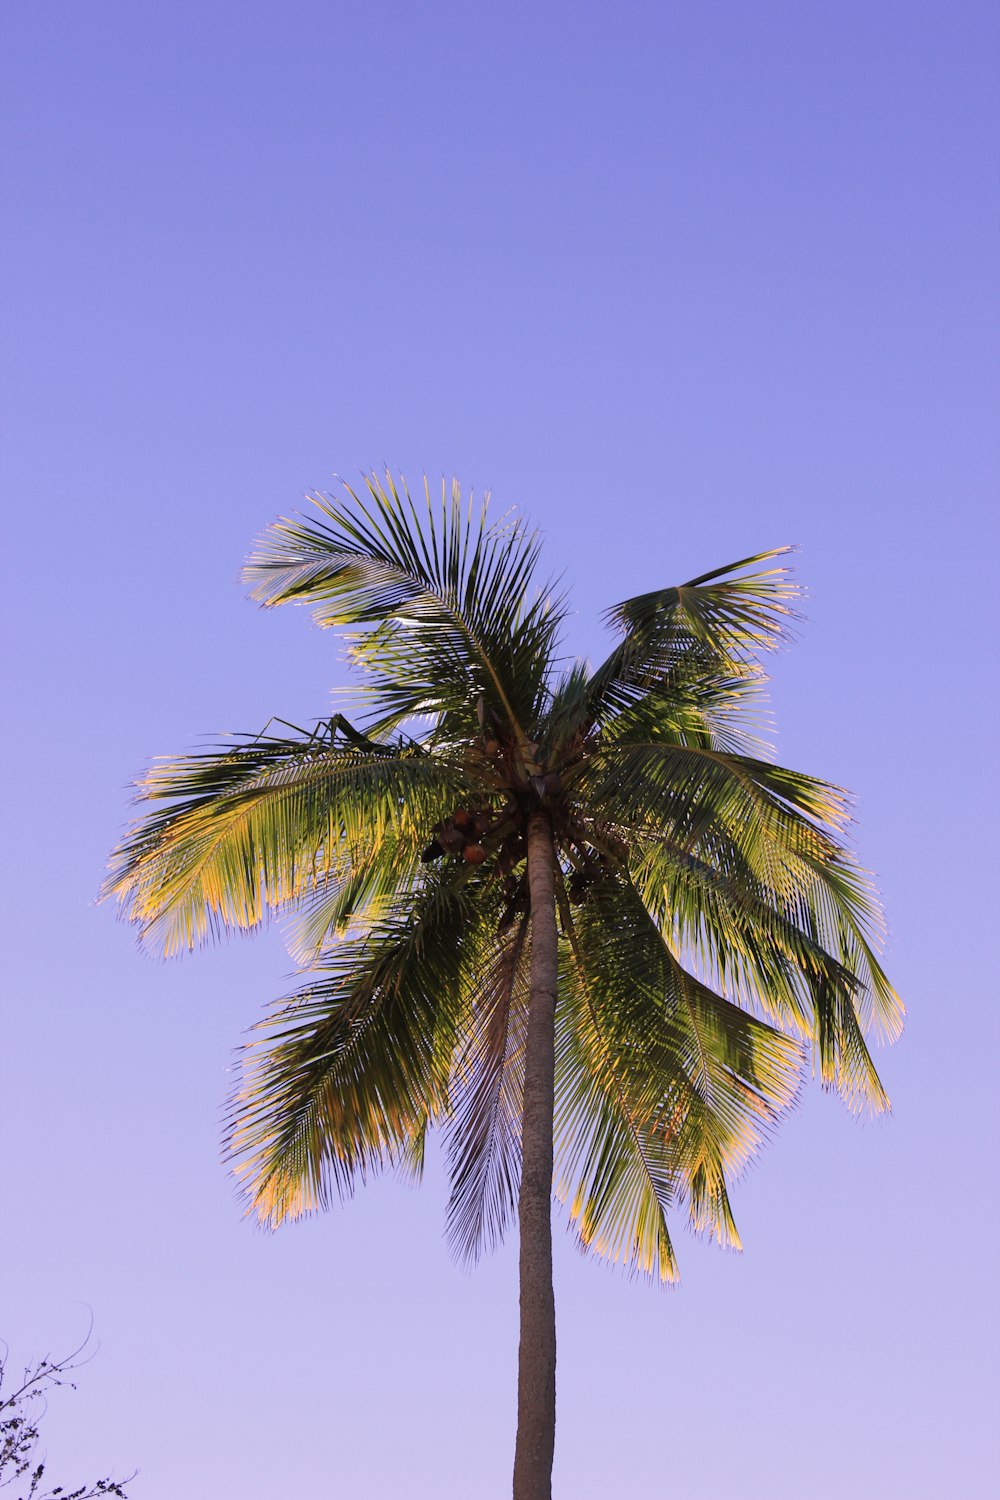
x=574, y=917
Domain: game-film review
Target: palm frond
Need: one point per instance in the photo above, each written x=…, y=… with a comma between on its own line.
x=447, y=596
x=716, y=624
x=777, y=958
x=848, y=916
x=745, y=864
x=610, y=1167
x=691, y=792
x=342, y=1078
x=701, y=703
x=359, y=889
x=699, y=1082
x=254, y=826
x=486, y=1097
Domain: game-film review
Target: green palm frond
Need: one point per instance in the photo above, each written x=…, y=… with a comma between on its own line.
x=777, y=959
x=690, y=632
x=486, y=1098
x=610, y=1165
x=447, y=596
x=773, y=816
x=695, y=1081
x=252, y=827
x=743, y=863
x=848, y=915
x=356, y=891
x=346, y=1072
x=700, y=703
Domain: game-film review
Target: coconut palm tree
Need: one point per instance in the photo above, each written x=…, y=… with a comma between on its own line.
x=575, y=918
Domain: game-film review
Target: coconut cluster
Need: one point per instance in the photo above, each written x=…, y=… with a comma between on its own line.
x=461, y=835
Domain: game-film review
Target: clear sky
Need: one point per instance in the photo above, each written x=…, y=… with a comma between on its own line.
x=683, y=281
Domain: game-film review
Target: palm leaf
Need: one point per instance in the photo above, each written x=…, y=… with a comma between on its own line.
x=741, y=860
x=486, y=1096
x=777, y=819
x=610, y=1166
x=777, y=960
x=447, y=596
x=699, y=1082
x=344, y=1075
x=255, y=826
x=716, y=621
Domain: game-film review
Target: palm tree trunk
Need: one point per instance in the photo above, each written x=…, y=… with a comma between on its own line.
x=536, y=1378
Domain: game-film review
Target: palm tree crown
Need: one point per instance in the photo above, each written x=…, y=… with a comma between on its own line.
x=714, y=932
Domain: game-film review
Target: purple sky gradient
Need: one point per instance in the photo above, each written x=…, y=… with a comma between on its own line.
x=683, y=281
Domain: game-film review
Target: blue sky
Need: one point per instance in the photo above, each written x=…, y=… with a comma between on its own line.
x=682, y=282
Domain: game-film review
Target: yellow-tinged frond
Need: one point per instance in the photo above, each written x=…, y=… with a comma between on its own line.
x=254, y=828
x=343, y=1077
x=683, y=1085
